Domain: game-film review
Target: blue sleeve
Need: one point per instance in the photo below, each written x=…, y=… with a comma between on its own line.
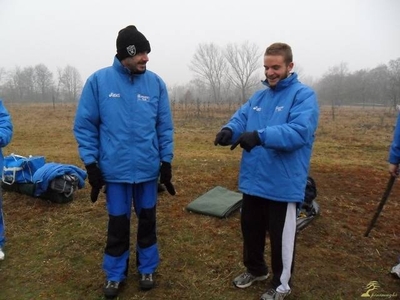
x=300, y=127
x=394, y=152
x=6, y=127
x=87, y=121
x=164, y=125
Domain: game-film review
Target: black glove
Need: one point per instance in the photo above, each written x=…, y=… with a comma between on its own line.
x=223, y=137
x=166, y=176
x=95, y=180
x=247, y=140
x=94, y=194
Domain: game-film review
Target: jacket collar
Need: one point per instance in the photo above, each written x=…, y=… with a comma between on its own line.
x=282, y=84
x=120, y=67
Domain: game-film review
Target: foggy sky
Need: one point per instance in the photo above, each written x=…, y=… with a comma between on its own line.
x=361, y=33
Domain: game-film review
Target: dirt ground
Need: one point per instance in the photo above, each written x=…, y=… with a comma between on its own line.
x=55, y=251
x=349, y=198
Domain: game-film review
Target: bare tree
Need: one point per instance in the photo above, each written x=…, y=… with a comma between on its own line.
x=377, y=85
x=43, y=81
x=333, y=86
x=357, y=88
x=394, y=80
x=28, y=77
x=2, y=79
x=21, y=84
x=70, y=83
x=2, y=74
x=209, y=65
x=243, y=61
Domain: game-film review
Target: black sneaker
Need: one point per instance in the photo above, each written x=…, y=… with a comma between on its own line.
x=146, y=281
x=111, y=289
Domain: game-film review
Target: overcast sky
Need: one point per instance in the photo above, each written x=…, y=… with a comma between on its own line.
x=361, y=33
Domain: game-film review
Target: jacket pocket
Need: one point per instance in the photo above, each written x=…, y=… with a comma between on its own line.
x=283, y=165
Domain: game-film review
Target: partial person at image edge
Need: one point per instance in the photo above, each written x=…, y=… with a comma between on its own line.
x=394, y=161
x=6, y=133
x=124, y=130
x=276, y=128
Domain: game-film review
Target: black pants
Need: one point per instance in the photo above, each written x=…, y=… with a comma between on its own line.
x=258, y=216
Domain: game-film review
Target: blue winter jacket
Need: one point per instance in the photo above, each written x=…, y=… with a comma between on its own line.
x=6, y=132
x=394, y=152
x=286, y=119
x=124, y=123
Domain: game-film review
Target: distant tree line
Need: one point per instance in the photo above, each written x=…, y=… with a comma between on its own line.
x=230, y=74
x=379, y=86
x=226, y=75
x=38, y=84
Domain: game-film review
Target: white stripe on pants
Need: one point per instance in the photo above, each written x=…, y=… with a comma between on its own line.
x=288, y=240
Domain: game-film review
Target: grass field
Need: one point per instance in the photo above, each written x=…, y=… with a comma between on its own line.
x=54, y=251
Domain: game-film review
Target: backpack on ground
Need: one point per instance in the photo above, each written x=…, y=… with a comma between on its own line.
x=33, y=177
x=309, y=209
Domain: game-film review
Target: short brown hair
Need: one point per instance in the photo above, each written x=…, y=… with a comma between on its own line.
x=280, y=49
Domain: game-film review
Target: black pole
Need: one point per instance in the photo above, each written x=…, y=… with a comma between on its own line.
x=381, y=204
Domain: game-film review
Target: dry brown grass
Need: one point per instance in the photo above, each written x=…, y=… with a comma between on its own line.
x=54, y=251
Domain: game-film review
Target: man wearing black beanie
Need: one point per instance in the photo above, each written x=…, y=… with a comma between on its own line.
x=130, y=42
x=124, y=130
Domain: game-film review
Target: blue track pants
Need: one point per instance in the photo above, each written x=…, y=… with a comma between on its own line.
x=121, y=198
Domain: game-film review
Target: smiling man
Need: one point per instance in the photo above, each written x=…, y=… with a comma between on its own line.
x=124, y=131
x=275, y=127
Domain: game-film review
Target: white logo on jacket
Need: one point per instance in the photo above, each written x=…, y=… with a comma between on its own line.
x=114, y=95
x=279, y=108
x=143, y=98
x=257, y=108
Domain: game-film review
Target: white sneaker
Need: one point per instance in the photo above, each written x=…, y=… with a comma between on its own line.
x=396, y=270
x=1, y=254
x=273, y=294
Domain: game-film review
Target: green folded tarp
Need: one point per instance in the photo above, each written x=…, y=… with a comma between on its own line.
x=217, y=202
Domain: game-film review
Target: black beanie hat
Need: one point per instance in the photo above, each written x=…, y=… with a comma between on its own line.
x=130, y=42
